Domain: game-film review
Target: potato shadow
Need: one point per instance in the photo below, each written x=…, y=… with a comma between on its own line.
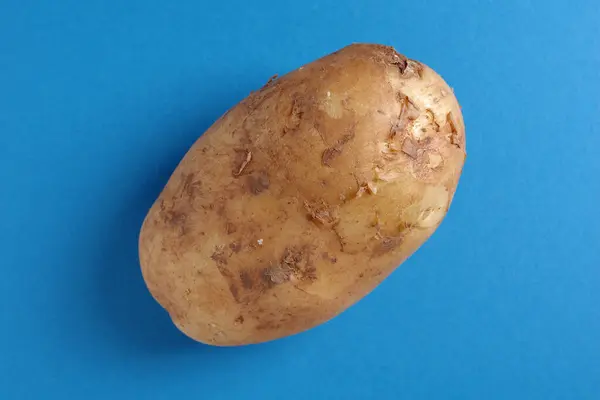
x=135, y=321
x=130, y=318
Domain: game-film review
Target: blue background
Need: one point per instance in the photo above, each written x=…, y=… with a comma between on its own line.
x=99, y=100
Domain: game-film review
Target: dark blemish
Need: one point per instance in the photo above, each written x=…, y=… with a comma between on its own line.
x=266, y=277
x=408, y=68
x=321, y=213
x=317, y=126
x=219, y=256
x=239, y=319
x=235, y=247
x=224, y=271
x=346, y=138
x=230, y=228
x=409, y=148
x=333, y=152
x=400, y=61
x=329, y=155
x=271, y=80
x=228, y=276
x=202, y=233
x=325, y=256
x=310, y=273
x=455, y=139
x=295, y=115
x=245, y=139
x=298, y=262
x=221, y=207
x=380, y=112
x=426, y=141
x=361, y=275
x=267, y=325
x=176, y=219
x=345, y=103
x=234, y=291
x=246, y=279
x=190, y=187
x=204, y=150
x=162, y=205
x=386, y=245
x=258, y=184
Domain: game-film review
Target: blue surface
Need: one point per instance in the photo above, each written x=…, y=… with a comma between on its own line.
x=98, y=102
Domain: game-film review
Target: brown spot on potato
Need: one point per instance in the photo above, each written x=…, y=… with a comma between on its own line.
x=265, y=277
x=310, y=273
x=326, y=256
x=298, y=260
x=409, y=147
x=268, y=325
x=408, y=68
x=239, y=319
x=258, y=183
x=329, y=155
x=234, y=292
x=220, y=206
x=271, y=81
x=322, y=213
x=219, y=256
x=235, y=246
x=451, y=132
x=333, y=152
x=230, y=228
x=228, y=275
x=191, y=187
x=295, y=263
x=295, y=115
x=386, y=244
x=175, y=219
x=247, y=281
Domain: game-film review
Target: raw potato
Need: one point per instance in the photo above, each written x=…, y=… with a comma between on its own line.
x=302, y=198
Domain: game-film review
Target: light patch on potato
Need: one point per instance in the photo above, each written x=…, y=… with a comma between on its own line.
x=333, y=104
x=433, y=206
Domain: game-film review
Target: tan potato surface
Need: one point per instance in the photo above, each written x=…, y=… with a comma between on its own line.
x=302, y=198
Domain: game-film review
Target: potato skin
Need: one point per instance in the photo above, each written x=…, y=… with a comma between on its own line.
x=302, y=198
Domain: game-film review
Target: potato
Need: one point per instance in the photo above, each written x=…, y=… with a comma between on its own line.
x=302, y=198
